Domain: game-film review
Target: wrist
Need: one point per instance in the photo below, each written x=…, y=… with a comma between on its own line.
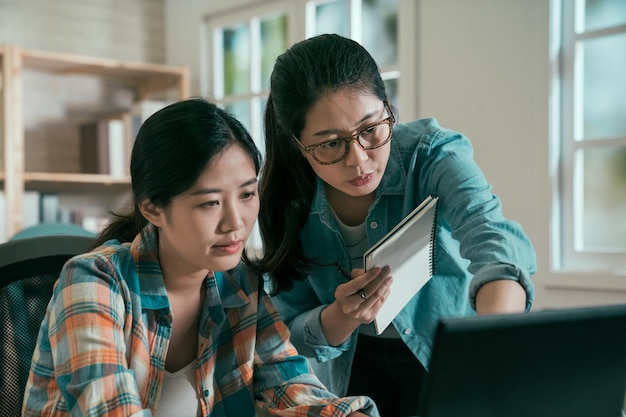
x=336, y=325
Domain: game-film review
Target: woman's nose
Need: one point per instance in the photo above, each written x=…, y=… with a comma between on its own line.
x=356, y=154
x=232, y=220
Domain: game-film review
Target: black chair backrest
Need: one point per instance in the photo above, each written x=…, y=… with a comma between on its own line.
x=28, y=270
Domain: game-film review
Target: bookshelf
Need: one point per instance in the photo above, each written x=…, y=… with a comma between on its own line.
x=45, y=98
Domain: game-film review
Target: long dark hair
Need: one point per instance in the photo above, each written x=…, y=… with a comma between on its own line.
x=301, y=76
x=172, y=149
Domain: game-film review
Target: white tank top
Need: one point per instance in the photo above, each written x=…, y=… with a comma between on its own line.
x=179, y=396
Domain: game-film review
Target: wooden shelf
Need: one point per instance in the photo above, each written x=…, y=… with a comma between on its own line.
x=144, y=81
x=152, y=76
x=55, y=182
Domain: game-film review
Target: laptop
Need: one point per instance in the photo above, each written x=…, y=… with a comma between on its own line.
x=550, y=363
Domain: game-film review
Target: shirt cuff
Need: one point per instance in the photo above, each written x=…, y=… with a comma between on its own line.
x=494, y=272
x=315, y=339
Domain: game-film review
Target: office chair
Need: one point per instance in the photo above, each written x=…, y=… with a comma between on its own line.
x=29, y=268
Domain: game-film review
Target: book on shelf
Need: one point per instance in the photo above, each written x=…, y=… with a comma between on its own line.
x=409, y=249
x=117, y=148
x=141, y=111
x=31, y=208
x=103, y=147
x=49, y=208
x=94, y=147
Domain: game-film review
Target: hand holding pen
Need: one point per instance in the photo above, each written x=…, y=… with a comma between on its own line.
x=357, y=301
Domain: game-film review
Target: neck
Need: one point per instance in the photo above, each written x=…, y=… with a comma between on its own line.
x=351, y=210
x=180, y=278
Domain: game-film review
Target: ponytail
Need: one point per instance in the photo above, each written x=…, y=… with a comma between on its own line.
x=123, y=228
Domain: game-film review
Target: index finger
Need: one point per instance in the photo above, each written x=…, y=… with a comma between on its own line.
x=360, y=278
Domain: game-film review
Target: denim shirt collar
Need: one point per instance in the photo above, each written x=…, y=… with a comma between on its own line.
x=394, y=179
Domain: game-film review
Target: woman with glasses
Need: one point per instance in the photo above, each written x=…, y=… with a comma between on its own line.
x=339, y=174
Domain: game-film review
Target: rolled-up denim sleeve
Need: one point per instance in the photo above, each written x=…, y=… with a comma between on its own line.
x=495, y=246
x=502, y=270
x=300, y=309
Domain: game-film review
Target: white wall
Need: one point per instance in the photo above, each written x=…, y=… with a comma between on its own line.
x=484, y=70
x=127, y=30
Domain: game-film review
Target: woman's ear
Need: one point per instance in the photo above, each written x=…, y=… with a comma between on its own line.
x=151, y=212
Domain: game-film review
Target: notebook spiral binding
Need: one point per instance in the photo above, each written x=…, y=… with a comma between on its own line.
x=432, y=266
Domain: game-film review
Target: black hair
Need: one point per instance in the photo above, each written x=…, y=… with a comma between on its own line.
x=172, y=149
x=301, y=76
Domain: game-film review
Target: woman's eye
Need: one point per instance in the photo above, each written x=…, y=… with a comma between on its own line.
x=369, y=131
x=211, y=203
x=248, y=195
x=331, y=144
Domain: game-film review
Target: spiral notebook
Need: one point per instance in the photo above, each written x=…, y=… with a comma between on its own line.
x=409, y=249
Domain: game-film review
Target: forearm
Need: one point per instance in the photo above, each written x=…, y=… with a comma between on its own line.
x=336, y=325
x=501, y=296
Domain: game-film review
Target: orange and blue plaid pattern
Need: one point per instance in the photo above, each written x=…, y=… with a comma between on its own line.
x=102, y=345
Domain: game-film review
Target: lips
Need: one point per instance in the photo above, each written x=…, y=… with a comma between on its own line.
x=230, y=248
x=361, y=180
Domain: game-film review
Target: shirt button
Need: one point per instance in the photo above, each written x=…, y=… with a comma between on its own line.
x=406, y=331
x=374, y=225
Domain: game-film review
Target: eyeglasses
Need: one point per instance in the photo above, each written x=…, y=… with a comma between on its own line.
x=370, y=137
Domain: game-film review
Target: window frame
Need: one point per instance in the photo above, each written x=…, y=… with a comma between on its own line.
x=210, y=68
x=566, y=170
x=297, y=26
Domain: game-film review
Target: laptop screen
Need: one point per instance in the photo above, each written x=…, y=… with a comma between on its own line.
x=565, y=362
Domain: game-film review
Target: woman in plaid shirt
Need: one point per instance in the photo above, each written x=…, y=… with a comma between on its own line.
x=162, y=317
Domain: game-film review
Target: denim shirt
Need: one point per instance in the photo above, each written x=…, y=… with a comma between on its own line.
x=475, y=244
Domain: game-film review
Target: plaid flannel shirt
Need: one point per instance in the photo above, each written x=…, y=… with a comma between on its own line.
x=102, y=346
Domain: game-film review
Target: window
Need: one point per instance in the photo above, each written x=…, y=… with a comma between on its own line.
x=241, y=47
x=373, y=23
x=589, y=123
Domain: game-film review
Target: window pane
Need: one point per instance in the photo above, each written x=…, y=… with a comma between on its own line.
x=273, y=43
x=600, y=14
x=237, y=60
x=391, y=85
x=257, y=108
x=241, y=111
x=604, y=98
x=332, y=17
x=380, y=30
x=604, y=199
